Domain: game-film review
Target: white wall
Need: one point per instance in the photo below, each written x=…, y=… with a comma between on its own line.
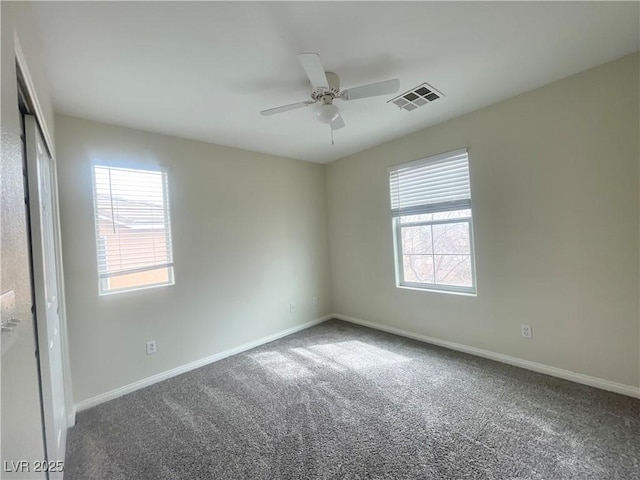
x=21, y=415
x=249, y=237
x=555, y=181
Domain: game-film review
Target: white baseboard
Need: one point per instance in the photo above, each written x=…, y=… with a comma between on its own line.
x=145, y=382
x=536, y=367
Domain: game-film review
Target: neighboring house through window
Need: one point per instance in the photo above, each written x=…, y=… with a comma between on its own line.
x=432, y=221
x=133, y=229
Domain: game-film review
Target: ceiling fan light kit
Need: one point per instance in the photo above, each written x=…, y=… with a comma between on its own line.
x=325, y=88
x=327, y=113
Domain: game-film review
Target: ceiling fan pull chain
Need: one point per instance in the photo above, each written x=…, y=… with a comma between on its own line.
x=331, y=127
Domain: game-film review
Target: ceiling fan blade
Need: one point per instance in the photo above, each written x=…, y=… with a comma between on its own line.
x=285, y=108
x=338, y=123
x=371, y=90
x=313, y=68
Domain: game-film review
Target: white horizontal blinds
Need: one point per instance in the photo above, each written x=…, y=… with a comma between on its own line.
x=434, y=184
x=132, y=221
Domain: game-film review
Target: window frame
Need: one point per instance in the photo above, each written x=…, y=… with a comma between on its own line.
x=401, y=283
x=397, y=226
x=103, y=281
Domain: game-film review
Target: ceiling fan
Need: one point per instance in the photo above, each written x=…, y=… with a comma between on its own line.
x=325, y=88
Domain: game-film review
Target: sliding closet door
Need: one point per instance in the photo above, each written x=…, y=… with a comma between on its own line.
x=46, y=294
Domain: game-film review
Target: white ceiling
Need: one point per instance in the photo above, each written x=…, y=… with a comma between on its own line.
x=203, y=70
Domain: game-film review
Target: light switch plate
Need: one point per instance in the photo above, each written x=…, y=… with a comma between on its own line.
x=8, y=306
x=10, y=324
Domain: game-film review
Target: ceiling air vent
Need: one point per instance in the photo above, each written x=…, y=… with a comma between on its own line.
x=414, y=98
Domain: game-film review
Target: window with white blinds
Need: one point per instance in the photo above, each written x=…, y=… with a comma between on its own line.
x=434, y=184
x=133, y=228
x=431, y=210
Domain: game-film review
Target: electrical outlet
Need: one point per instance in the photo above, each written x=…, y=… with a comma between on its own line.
x=292, y=308
x=151, y=347
x=526, y=331
x=314, y=301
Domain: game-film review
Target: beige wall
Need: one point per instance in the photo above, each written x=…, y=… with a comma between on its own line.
x=555, y=181
x=249, y=238
x=21, y=414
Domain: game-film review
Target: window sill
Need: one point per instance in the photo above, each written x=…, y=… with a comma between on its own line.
x=437, y=290
x=133, y=290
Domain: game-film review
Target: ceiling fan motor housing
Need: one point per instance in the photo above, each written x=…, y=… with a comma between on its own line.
x=334, y=88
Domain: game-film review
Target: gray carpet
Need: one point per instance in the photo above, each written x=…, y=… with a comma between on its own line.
x=342, y=401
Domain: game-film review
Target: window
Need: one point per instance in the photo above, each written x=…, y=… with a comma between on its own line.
x=133, y=231
x=432, y=222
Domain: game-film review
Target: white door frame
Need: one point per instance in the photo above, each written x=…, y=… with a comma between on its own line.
x=47, y=137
